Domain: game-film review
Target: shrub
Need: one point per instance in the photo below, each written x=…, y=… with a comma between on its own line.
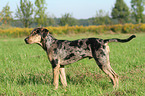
x=142, y=27
x=116, y=28
x=126, y=28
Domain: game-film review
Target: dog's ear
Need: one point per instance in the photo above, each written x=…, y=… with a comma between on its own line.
x=45, y=32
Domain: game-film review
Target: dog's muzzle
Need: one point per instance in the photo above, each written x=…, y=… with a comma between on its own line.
x=26, y=40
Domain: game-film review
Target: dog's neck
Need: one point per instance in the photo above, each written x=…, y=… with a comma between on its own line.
x=48, y=41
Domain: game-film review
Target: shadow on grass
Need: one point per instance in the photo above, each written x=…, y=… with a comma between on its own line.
x=89, y=78
x=74, y=79
x=34, y=79
x=46, y=78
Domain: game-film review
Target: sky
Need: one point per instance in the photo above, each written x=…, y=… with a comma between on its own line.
x=79, y=9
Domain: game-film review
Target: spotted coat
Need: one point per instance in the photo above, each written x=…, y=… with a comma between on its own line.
x=64, y=52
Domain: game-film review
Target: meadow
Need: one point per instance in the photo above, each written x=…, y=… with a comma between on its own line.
x=25, y=69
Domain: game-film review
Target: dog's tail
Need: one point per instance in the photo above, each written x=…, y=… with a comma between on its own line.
x=119, y=40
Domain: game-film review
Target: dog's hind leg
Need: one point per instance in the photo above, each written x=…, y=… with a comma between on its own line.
x=111, y=73
x=106, y=70
x=102, y=59
x=63, y=76
x=115, y=76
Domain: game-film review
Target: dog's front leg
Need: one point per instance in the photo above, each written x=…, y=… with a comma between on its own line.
x=56, y=76
x=63, y=76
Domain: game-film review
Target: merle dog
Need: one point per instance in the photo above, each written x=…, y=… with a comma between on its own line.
x=64, y=52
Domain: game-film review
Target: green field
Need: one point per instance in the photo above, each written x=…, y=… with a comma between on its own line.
x=25, y=69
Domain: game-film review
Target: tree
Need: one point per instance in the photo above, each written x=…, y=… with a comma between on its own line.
x=6, y=15
x=40, y=15
x=120, y=11
x=67, y=19
x=101, y=18
x=138, y=8
x=25, y=12
x=51, y=21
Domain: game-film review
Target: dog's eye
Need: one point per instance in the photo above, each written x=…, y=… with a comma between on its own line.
x=35, y=32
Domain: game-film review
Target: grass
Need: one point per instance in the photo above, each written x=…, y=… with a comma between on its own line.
x=25, y=69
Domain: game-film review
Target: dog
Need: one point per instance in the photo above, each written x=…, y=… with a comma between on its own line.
x=64, y=52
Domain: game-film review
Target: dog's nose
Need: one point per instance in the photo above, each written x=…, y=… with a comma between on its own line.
x=26, y=39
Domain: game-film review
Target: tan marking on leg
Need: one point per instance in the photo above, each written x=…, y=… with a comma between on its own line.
x=63, y=76
x=116, y=77
x=110, y=75
x=56, y=76
x=107, y=48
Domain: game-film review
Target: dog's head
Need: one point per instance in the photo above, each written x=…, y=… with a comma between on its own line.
x=37, y=36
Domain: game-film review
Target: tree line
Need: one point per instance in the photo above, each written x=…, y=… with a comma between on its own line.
x=35, y=15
